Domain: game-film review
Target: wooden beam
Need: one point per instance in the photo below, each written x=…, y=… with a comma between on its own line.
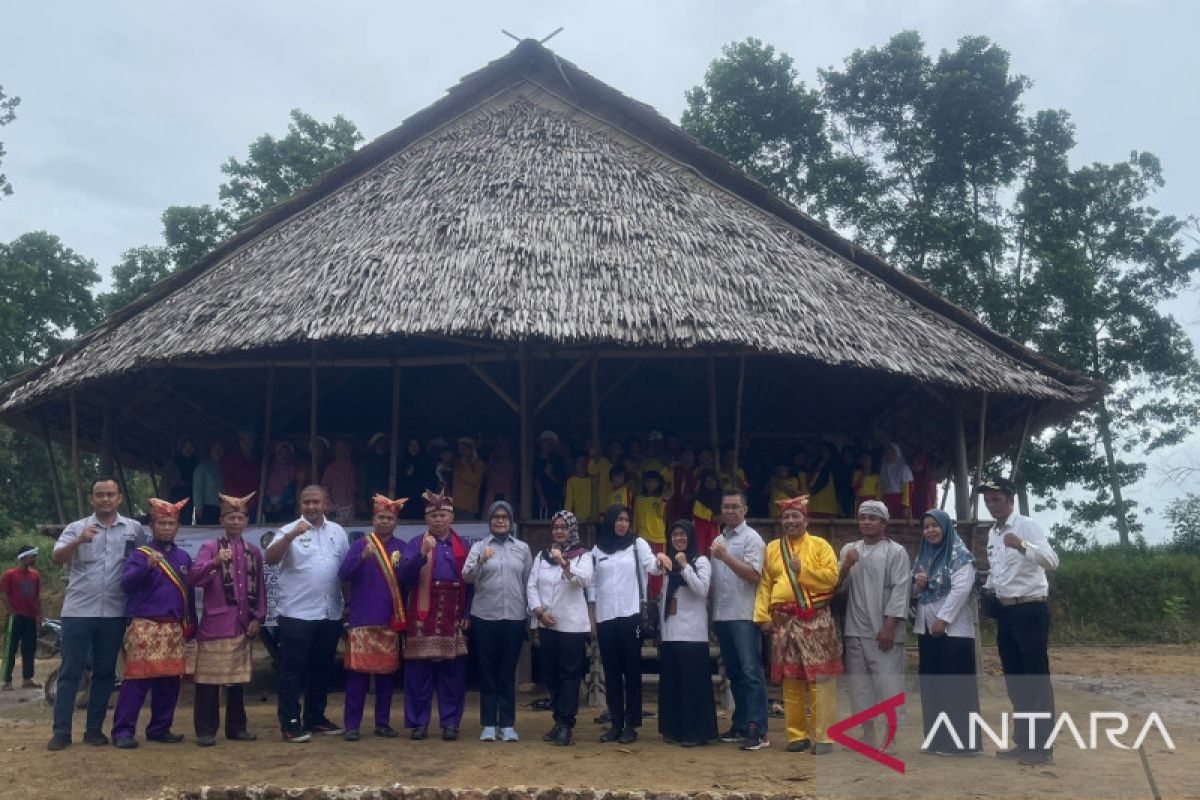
x=342, y=363
x=983, y=404
x=714, y=439
x=558, y=387
x=75, y=454
x=594, y=401
x=266, y=446
x=55, y=485
x=313, y=477
x=1016, y=467
x=616, y=384
x=394, y=450
x=495, y=387
x=526, y=444
x=962, y=491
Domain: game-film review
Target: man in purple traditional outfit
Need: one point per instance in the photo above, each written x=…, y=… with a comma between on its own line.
x=159, y=605
x=376, y=619
x=230, y=571
x=435, y=649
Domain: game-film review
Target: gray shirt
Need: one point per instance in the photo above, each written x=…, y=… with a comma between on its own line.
x=500, y=580
x=94, y=574
x=733, y=598
x=877, y=587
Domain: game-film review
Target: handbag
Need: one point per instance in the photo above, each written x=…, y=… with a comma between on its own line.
x=648, y=626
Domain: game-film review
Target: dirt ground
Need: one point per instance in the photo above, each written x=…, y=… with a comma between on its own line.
x=1137, y=680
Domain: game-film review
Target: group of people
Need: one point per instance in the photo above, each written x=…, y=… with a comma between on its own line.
x=427, y=601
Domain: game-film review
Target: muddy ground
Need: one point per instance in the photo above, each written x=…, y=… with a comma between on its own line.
x=1137, y=680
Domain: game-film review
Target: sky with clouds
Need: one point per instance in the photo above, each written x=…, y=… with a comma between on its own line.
x=129, y=107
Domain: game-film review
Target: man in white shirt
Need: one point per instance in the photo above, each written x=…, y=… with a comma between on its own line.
x=1019, y=556
x=875, y=576
x=93, y=551
x=309, y=552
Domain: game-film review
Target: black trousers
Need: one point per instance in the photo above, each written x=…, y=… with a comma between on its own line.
x=621, y=655
x=563, y=664
x=948, y=686
x=1023, y=638
x=22, y=631
x=307, y=648
x=207, y=709
x=497, y=644
x=687, y=710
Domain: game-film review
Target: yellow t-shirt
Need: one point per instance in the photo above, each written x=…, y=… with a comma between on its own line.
x=598, y=468
x=579, y=496
x=818, y=574
x=650, y=518
x=826, y=500
x=782, y=490
x=618, y=496
x=668, y=475
x=870, y=488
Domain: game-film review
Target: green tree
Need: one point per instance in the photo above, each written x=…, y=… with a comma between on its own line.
x=8, y=112
x=753, y=109
x=276, y=169
x=191, y=232
x=1184, y=516
x=139, y=269
x=44, y=299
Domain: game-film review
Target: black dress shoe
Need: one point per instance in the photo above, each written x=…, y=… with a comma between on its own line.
x=419, y=733
x=449, y=734
x=242, y=736
x=1012, y=752
x=206, y=741
x=57, y=743
x=692, y=744
x=386, y=730
x=552, y=734
x=169, y=737
x=95, y=738
x=1036, y=758
x=563, y=737
x=799, y=746
x=611, y=735
x=628, y=736
x=125, y=742
x=351, y=735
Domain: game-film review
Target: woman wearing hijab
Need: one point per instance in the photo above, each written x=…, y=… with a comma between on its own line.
x=281, y=484
x=942, y=579
x=687, y=713
x=557, y=601
x=896, y=479
x=498, y=566
x=623, y=561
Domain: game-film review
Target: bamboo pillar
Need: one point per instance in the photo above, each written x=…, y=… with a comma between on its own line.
x=394, y=451
x=266, y=446
x=594, y=389
x=119, y=469
x=713, y=438
x=1016, y=467
x=313, y=477
x=108, y=457
x=55, y=485
x=75, y=455
x=526, y=450
x=983, y=404
x=962, y=490
x=737, y=418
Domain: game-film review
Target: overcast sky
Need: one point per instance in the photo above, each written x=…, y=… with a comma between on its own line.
x=129, y=107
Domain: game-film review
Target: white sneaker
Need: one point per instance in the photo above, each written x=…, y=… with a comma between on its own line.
x=509, y=735
x=489, y=734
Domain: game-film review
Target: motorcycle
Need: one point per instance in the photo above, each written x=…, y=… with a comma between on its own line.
x=50, y=646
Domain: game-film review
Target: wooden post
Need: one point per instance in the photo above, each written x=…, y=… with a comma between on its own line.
x=962, y=489
x=737, y=418
x=983, y=404
x=266, y=446
x=526, y=451
x=108, y=457
x=313, y=477
x=394, y=453
x=119, y=470
x=713, y=438
x=1016, y=467
x=594, y=389
x=55, y=486
x=75, y=455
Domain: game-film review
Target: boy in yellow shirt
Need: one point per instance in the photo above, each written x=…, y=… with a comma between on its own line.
x=579, y=491
x=650, y=520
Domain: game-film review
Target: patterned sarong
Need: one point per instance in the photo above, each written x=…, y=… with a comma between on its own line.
x=806, y=647
x=223, y=661
x=154, y=649
x=438, y=636
x=373, y=649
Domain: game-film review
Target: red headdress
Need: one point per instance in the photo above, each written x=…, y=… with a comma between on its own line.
x=794, y=504
x=435, y=501
x=384, y=504
x=162, y=509
x=229, y=504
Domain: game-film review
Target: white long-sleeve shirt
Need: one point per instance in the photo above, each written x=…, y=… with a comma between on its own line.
x=1013, y=572
x=689, y=623
x=951, y=608
x=614, y=587
x=563, y=598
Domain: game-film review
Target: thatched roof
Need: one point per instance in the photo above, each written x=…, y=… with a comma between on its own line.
x=534, y=204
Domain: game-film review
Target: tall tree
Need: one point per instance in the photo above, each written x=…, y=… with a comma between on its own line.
x=139, y=269
x=44, y=299
x=753, y=109
x=931, y=146
x=8, y=112
x=191, y=232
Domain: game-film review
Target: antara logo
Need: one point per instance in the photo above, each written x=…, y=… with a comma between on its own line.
x=887, y=708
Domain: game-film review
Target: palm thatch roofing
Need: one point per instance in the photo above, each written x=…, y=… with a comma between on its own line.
x=535, y=206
